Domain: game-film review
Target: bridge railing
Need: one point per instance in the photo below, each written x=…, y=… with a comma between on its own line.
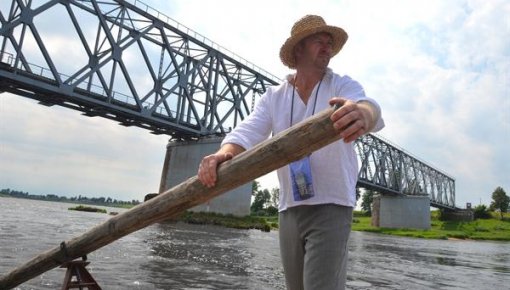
x=7, y=58
x=202, y=38
x=190, y=32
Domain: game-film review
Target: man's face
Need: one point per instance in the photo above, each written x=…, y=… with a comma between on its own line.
x=315, y=50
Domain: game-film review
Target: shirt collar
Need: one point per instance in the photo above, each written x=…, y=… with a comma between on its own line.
x=290, y=77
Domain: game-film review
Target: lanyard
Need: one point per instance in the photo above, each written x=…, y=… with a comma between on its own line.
x=314, y=104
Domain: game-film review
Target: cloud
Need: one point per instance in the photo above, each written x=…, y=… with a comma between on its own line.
x=53, y=150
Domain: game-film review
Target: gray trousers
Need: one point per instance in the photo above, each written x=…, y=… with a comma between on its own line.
x=313, y=246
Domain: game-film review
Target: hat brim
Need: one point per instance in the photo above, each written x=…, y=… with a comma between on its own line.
x=287, y=50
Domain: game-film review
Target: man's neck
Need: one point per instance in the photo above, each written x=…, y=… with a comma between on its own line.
x=308, y=78
x=305, y=81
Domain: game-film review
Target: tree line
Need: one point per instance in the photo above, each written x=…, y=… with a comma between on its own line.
x=105, y=201
x=500, y=203
x=265, y=202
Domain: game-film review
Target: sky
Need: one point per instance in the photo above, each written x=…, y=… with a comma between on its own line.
x=439, y=69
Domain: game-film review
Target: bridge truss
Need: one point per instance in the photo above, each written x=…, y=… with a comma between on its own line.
x=125, y=61
x=118, y=61
x=389, y=170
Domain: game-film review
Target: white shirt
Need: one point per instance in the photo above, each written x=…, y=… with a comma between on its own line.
x=335, y=166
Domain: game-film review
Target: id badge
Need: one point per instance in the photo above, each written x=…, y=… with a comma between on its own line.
x=301, y=178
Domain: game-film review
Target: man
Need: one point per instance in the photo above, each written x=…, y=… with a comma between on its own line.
x=317, y=193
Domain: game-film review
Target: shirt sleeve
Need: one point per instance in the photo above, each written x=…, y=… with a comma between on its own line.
x=352, y=90
x=256, y=127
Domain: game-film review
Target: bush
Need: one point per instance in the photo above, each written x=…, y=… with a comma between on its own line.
x=259, y=213
x=271, y=211
x=481, y=229
x=357, y=213
x=440, y=215
x=87, y=209
x=481, y=212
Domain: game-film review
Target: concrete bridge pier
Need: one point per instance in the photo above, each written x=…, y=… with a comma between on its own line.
x=411, y=212
x=181, y=162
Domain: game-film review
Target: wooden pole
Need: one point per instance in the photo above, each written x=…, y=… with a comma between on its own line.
x=285, y=147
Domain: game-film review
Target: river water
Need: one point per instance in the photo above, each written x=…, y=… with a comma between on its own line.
x=183, y=256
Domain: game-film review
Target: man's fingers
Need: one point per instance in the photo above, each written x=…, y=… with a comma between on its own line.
x=207, y=170
x=228, y=156
x=352, y=132
x=340, y=101
x=349, y=121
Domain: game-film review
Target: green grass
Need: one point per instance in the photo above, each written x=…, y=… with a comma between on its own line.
x=87, y=209
x=480, y=229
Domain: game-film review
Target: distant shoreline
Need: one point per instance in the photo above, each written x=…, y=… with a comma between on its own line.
x=121, y=204
x=492, y=229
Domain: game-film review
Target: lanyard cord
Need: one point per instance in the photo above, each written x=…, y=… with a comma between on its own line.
x=314, y=104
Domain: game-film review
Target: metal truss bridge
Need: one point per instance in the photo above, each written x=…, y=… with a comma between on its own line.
x=125, y=61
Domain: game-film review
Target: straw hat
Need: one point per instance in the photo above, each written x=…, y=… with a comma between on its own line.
x=304, y=27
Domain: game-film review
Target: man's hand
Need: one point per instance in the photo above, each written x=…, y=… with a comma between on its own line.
x=209, y=165
x=353, y=119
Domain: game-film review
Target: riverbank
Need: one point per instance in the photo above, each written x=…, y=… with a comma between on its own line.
x=262, y=223
x=480, y=229
x=492, y=229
